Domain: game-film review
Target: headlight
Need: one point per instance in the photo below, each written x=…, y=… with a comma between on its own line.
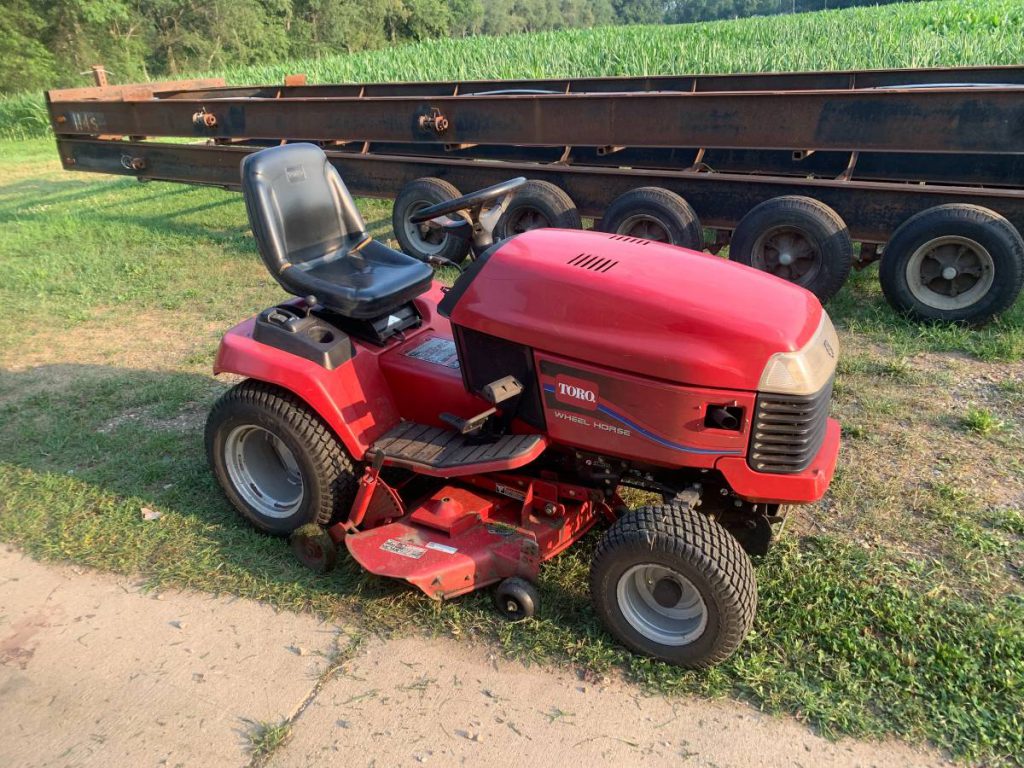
x=807, y=370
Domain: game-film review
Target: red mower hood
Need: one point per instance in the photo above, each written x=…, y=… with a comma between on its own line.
x=635, y=305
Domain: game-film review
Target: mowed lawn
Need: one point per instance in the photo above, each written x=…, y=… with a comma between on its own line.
x=894, y=606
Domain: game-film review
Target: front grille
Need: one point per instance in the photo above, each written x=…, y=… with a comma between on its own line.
x=788, y=430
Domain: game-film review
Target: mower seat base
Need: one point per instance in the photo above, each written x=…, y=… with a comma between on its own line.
x=443, y=452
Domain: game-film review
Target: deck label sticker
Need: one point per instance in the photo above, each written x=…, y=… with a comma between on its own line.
x=436, y=350
x=442, y=548
x=512, y=493
x=404, y=549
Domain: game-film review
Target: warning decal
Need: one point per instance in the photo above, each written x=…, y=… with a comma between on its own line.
x=436, y=350
x=402, y=548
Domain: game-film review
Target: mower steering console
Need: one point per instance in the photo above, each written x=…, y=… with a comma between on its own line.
x=472, y=221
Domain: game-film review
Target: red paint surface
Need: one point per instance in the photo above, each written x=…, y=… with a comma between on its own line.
x=661, y=311
x=799, y=488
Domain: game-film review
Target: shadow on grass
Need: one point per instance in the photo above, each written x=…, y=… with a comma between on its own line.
x=84, y=448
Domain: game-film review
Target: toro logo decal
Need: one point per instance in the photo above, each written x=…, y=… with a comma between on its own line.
x=582, y=394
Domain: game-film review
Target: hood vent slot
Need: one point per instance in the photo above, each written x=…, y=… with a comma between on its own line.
x=592, y=262
x=627, y=239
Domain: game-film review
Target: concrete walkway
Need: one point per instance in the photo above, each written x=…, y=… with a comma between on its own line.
x=93, y=672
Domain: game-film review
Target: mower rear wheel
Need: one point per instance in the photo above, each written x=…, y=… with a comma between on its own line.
x=799, y=239
x=423, y=241
x=655, y=214
x=535, y=205
x=278, y=463
x=671, y=583
x=516, y=599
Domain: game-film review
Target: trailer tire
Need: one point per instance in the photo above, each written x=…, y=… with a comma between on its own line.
x=416, y=239
x=957, y=263
x=655, y=214
x=262, y=441
x=655, y=555
x=799, y=239
x=535, y=205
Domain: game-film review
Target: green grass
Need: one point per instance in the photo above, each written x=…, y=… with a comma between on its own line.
x=982, y=421
x=265, y=738
x=947, y=33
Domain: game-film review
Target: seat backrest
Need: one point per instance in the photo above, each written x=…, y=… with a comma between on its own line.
x=298, y=206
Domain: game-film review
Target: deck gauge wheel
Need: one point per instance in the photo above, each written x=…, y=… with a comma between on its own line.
x=655, y=214
x=516, y=599
x=422, y=240
x=957, y=263
x=798, y=239
x=314, y=548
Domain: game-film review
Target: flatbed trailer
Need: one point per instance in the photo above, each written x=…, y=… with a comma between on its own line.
x=787, y=167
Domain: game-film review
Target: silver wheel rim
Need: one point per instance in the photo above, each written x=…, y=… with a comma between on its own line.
x=662, y=604
x=950, y=272
x=428, y=240
x=645, y=226
x=263, y=471
x=788, y=252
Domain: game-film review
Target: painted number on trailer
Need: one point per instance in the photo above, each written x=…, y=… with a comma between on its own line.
x=87, y=121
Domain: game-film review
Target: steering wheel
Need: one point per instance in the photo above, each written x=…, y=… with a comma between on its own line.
x=472, y=200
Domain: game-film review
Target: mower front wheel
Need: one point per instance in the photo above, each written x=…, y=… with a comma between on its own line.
x=277, y=462
x=671, y=583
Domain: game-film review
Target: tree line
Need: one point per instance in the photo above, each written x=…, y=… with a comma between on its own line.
x=46, y=43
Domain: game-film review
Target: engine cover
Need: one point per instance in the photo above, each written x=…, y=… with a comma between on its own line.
x=634, y=305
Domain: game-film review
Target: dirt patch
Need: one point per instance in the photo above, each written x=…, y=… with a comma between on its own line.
x=913, y=475
x=103, y=346
x=417, y=701
x=189, y=419
x=146, y=340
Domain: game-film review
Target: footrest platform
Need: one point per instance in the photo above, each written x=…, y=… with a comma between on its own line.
x=446, y=453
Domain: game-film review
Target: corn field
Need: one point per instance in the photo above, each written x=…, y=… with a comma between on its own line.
x=943, y=33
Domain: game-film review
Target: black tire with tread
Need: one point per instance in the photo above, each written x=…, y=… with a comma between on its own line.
x=522, y=592
x=818, y=221
x=671, y=211
x=697, y=547
x=993, y=231
x=545, y=198
x=328, y=473
x=417, y=195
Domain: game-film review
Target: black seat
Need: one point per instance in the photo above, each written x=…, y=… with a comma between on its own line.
x=313, y=240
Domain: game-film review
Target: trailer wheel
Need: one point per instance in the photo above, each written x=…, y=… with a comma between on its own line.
x=277, y=462
x=656, y=214
x=798, y=239
x=421, y=240
x=958, y=263
x=671, y=583
x=535, y=205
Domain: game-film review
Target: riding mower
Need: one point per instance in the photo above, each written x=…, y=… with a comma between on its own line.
x=457, y=438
